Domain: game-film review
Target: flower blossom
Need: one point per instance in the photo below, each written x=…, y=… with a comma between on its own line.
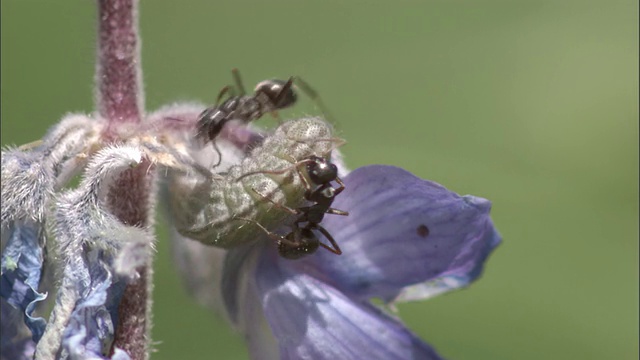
x=405, y=239
x=85, y=252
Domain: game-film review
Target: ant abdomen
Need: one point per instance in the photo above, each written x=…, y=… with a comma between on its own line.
x=308, y=245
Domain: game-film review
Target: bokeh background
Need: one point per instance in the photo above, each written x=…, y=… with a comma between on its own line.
x=531, y=104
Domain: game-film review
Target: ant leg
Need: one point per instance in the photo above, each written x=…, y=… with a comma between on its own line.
x=212, y=134
x=223, y=91
x=314, y=96
x=275, y=237
x=336, y=143
x=280, y=206
x=215, y=147
x=296, y=164
x=304, y=218
x=341, y=188
x=283, y=92
x=305, y=182
x=274, y=172
x=336, y=212
x=238, y=81
x=275, y=115
x=336, y=249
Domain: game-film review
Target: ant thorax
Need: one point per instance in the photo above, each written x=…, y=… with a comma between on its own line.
x=248, y=108
x=328, y=192
x=220, y=210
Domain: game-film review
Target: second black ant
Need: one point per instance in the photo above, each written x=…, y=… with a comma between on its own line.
x=302, y=241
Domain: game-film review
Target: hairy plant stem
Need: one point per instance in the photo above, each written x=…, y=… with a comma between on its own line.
x=118, y=74
x=120, y=100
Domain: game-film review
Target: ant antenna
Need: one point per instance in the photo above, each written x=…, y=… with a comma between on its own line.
x=238, y=81
x=227, y=89
x=276, y=172
x=314, y=96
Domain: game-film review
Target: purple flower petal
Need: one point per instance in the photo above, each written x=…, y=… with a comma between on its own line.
x=403, y=231
x=22, y=261
x=313, y=320
x=16, y=341
x=90, y=331
x=200, y=268
x=243, y=304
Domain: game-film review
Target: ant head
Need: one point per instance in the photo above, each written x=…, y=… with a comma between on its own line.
x=308, y=243
x=321, y=171
x=279, y=92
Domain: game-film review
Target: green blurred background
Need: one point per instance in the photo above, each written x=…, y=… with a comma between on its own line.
x=531, y=104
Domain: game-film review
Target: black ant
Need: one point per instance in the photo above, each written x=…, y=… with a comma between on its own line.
x=268, y=97
x=302, y=241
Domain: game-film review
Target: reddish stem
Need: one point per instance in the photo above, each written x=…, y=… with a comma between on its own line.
x=131, y=190
x=119, y=100
x=118, y=74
